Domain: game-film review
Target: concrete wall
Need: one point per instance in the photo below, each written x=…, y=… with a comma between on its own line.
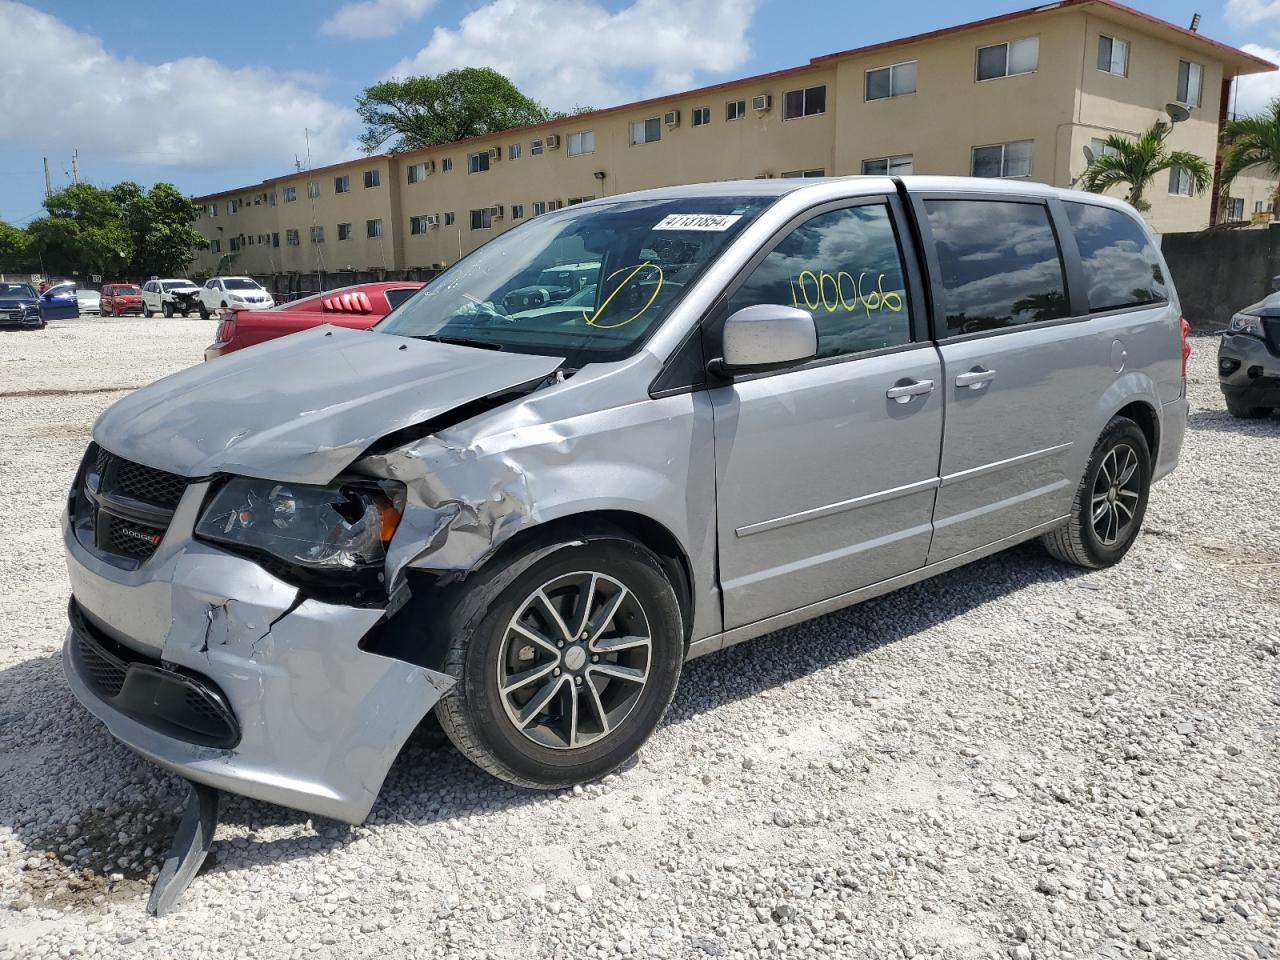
x=1218, y=272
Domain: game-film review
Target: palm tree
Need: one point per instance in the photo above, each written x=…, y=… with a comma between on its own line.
x=1136, y=163
x=1251, y=142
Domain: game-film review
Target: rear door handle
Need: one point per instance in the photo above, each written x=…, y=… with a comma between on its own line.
x=903, y=392
x=975, y=379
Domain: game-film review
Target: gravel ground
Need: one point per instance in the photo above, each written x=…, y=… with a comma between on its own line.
x=1016, y=759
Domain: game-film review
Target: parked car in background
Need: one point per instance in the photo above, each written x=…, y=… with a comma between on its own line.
x=119, y=299
x=358, y=307
x=279, y=563
x=1249, y=359
x=59, y=301
x=90, y=301
x=169, y=297
x=19, y=305
x=233, y=293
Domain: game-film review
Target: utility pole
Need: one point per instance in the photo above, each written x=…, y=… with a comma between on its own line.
x=48, y=181
x=75, y=167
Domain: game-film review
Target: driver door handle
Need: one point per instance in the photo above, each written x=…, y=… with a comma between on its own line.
x=975, y=379
x=904, y=392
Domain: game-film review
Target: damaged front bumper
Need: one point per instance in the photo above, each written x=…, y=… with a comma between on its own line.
x=318, y=721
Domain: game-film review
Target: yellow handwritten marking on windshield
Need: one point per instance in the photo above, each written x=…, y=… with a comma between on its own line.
x=812, y=289
x=591, y=319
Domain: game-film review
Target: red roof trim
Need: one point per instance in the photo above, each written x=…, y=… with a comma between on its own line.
x=814, y=63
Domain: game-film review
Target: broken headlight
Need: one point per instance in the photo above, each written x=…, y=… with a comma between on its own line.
x=322, y=531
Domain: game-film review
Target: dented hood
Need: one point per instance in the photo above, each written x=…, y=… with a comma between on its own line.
x=303, y=407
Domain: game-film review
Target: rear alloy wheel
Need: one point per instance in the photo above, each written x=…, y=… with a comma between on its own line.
x=570, y=666
x=1110, y=502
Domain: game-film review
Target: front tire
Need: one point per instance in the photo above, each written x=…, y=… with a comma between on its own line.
x=167, y=309
x=564, y=670
x=1110, y=502
x=204, y=312
x=147, y=312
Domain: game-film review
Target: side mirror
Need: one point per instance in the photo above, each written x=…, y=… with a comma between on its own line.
x=768, y=336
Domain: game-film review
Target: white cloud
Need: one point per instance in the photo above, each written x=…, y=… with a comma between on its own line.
x=1248, y=13
x=192, y=112
x=1255, y=91
x=569, y=52
x=374, y=18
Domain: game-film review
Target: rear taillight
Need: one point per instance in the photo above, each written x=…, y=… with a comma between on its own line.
x=1186, y=344
x=226, y=329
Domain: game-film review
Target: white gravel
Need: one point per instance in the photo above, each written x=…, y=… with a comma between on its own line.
x=1016, y=759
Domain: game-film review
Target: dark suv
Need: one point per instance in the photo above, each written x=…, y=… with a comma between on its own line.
x=1249, y=359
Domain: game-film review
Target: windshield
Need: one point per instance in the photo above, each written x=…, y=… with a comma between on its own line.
x=240, y=283
x=179, y=285
x=612, y=272
x=19, y=290
x=128, y=292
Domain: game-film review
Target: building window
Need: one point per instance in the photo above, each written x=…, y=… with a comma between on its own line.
x=573, y=201
x=701, y=116
x=1100, y=148
x=478, y=162
x=344, y=231
x=275, y=239
x=250, y=241
x=291, y=238
x=373, y=228
x=235, y=244
x=1259, y=207
x=894, y=81
x=215, y=246
x=317, y=234
x=417, y=172
x=517, y=211
x=313, y=189
x=646, y=131
x=446, y=164
x=481, y=219
x=448, y=220
x=735, y=109
x=342, y=184
x=271, y=199
x=513, y=152
x=1190, y=77
x=419, y=224
x=804, y=103
x=1179, y=182
x=582, y=143
x=372, y=178
x=1009, y=59
x=1003, y=160
x=535, y=148
x=797, y=174
x=290, y=194
x=900, y=166
x=1235, y=208
x=539, y=207
x=233, y=206
x=1113, y=55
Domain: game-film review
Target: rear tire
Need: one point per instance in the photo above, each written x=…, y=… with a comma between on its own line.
x=598, y=673
x=1242, y=411
x=1110, y=501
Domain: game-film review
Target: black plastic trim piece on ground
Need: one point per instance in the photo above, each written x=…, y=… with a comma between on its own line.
x=190, y=846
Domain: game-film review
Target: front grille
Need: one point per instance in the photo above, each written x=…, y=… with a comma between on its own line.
x=177, y=702
x=121, y=509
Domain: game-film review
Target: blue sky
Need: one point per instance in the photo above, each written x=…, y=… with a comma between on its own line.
x=210, y=96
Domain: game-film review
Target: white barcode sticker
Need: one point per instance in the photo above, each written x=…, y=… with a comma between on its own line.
x=697, y=221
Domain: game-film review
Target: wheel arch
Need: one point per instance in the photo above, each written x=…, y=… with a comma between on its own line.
x=1147, y=418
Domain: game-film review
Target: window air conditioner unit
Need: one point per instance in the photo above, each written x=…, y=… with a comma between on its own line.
x=429, y=166
x=762, y=102
x=495, y=153
x=671, y=118
x=766, y=175
x=496, y=211
x=553, y=141
x=433, y=220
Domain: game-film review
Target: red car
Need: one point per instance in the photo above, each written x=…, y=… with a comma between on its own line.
x=121, y=298
x=358, y=307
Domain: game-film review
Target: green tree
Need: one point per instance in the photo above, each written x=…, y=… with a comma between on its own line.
x=83, y=232
x=1136, y=163
x=416, y=112
x=15, y=248
x=1252, y=142
x=159, y=223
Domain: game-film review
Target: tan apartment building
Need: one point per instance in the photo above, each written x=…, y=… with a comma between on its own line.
x=1019, y=95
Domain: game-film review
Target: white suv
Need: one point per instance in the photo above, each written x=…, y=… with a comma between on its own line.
x=233, y=293
x=169, y=297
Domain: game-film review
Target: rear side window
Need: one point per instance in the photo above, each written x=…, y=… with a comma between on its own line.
x=397, y=297
x=845, y=268
x=1000, y=264
x=1121, y=267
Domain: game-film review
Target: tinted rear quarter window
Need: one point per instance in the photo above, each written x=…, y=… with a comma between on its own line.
x=1121, y=266
x=1000, y=264
x=397, y=297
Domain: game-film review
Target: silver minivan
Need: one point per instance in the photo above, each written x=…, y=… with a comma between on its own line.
x=619, y=436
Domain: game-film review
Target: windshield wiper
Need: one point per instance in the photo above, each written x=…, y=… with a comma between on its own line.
x=460, y=341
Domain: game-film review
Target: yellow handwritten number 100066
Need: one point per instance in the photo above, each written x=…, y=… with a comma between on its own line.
x=877, y=299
